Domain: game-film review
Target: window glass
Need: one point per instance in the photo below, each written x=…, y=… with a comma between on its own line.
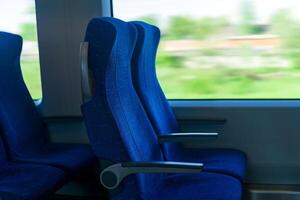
x=231, y=49
x=18, y=16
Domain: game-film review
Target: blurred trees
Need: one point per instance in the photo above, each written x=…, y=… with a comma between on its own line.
x=248, y=24
x=284, y=24
x=180, y=27
x=29, y=29
x=184, y=27
x=151, y=19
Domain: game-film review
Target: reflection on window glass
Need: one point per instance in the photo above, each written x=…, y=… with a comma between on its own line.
x=18, y=16
x=232, y=49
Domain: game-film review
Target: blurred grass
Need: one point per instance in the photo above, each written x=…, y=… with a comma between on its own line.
x=32, y=76
x=179, y=82
x=226, y=83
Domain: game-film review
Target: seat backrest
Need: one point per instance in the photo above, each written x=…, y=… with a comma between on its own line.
x=3, y=158
x=117, y=124
x=145, y=80
x=22, y=127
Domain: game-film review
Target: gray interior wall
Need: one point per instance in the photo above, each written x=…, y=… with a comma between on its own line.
x=70, y=130
x=61, y=27
x=267, y=131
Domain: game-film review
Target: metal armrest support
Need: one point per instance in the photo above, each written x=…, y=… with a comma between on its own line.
x=87, y=82
x=186, y=137
x=112, y=176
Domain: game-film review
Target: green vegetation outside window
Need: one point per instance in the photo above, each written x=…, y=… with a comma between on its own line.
x=232, y=49
x=18, y=16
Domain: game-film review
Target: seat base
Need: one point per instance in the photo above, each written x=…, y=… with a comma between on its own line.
x=226, y=161
x=29, y=181
x=76, y=160
x=200, y=186
x=203, y=186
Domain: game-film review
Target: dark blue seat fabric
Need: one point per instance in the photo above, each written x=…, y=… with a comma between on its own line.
x=76, y=160
x=24, y=131
x=27, y=181
x=119, y=129
x=161, y=115
x=199, y=187
x=226, y=161
x=30, y=181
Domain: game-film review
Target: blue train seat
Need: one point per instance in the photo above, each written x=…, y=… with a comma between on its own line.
x=227, y=161
x=120, y=132
x=24, y=132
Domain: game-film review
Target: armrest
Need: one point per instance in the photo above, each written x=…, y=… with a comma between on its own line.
x=186, y=137
x=113, y=175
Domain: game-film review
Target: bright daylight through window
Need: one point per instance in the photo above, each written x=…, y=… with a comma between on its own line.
x=18, y=16
x=231, y=49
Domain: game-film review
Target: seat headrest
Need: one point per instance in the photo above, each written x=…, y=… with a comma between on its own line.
x=10, y=48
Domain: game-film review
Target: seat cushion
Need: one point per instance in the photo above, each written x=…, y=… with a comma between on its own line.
x=202, y=186
x=226, y=161
x=76, y=160
x=28, y=181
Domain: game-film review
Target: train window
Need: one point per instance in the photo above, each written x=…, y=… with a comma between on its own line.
x=235, y=49
x=21, y=20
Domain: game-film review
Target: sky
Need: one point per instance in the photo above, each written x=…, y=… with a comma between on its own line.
x=13, y=12
x=131, y=9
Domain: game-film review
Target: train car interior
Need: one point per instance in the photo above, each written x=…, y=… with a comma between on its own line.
x=149, y=100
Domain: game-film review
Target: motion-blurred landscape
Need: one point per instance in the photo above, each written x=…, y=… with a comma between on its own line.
x=22, y=21
x=212, y=57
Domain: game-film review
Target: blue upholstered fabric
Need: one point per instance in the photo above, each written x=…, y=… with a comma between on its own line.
x=24, y=132
x=205, y=186
x=114, y=115
x=75, y=159
x=27, y=181
x=226, y=161
x=145, y=81
x=161, y=115
x=119, y=129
